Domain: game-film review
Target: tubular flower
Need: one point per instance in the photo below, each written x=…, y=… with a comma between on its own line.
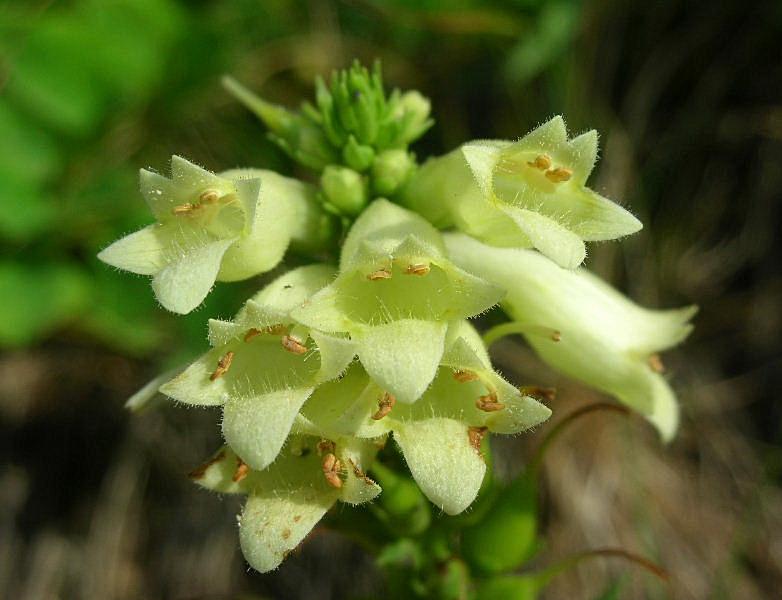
x=526, y=194
x=288, y=498
x=394, y=296
x=607, y=341
x=440, y=434
x=263, y=367
x=214, y=227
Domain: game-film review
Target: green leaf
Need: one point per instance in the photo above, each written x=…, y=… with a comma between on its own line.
x=506, y=537
x=508, y=587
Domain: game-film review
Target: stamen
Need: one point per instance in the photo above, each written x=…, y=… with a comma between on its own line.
x=251, y=333
x=559, y=174
x=209, y=197
x=417, y=269
x=489, y=403
x=385, y=404
x=549, y=394
x=542, y=162
x=184, y=209
x=242, y=470
x=465, y=376
x=656, y=363
x=326, y=447
x=476, y=435
x=200, y=471
x=293, y=345
x=331, y=467
x=222, y=366
x=379, y=274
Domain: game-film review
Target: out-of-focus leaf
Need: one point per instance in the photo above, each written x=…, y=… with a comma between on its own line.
x=24, y=211
x=508, y=587
x=505, y=538
x=538, y=49
x=48, y=78
x=123, y=314
x=35, y=299
x=27, y=154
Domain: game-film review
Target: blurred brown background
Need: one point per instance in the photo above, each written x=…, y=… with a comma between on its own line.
x=687, y=96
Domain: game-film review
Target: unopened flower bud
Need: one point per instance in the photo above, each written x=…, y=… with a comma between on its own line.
x=345, y=189
x=390, y=171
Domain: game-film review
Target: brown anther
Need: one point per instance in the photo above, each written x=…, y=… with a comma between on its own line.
x=242, y=470
x=656, y=363
x=332, y=466
x=556, y=336
x=476, y=435
x=286, y=533
x=200, y=471
x=209, y=197
x=326, y=447
x=379, y=274
x=559, y=174
x=542, y=162
x=465, y=376
x=296, y=518
x=276, y=330
x=183, y=209
x=489, y=403
x=251, y=333
x=222, y=366
x=291, y=344
x=359, y=473
x=549, y=394
x=385, y=404
x=417, y=269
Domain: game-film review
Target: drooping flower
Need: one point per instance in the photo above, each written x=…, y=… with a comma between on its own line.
x=215, y=227
x=440, y=434
x=263, y=366
x=394, y=296
x=607, y=341
x=288, y=498
x=526, y=194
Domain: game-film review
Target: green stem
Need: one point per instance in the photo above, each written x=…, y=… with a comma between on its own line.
x=559, y=428
x=545, y=576
x=513, y=327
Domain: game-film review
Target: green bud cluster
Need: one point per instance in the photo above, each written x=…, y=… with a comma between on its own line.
x=353, y=125
x=326, y=365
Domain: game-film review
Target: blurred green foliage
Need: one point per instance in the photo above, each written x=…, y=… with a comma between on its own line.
x=92, y=91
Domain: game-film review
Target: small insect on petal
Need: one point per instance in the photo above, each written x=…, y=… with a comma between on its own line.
x=542, y=162
x=379, y=275
x=242, y=470
x=559, y=174
x=419, y=269
x=656, y=363
x=293, y=345
x=331, y=468
x=222, y=366
x=465, y=376
x=549, y=394
x=209, y=197
x=476, y=435
x=489, y=403
x=385, y=404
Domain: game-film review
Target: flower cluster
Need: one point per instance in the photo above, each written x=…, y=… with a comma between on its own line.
x=324, y=365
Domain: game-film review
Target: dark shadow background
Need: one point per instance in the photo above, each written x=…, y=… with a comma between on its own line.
x=687, y=97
